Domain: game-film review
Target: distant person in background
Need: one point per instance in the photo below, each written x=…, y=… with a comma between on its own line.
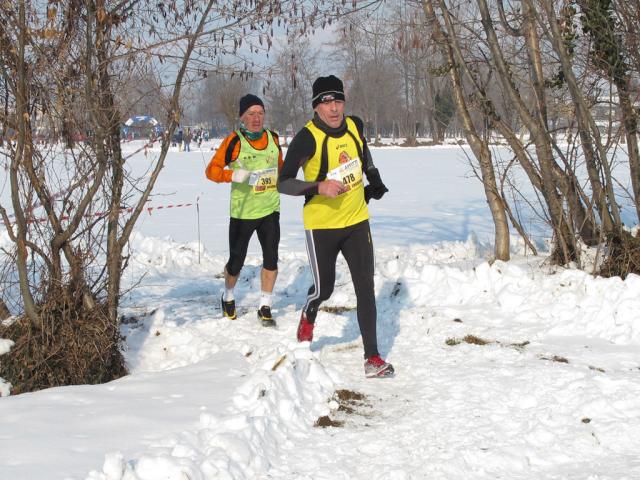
x=250, y=159
x=187, y=140
x=180, y=139
x=334, y=157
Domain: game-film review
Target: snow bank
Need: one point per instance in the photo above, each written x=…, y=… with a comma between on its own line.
x=168, y=256
x=237, y=401
x=5, y=388
x=286, y=392
x=5, y=346
x=563, y=303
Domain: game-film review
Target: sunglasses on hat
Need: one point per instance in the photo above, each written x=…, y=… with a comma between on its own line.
x=328, y=97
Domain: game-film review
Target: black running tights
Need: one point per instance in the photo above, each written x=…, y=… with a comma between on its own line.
x=354, y=242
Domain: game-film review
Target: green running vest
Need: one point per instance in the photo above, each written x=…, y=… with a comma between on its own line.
x=260, y=196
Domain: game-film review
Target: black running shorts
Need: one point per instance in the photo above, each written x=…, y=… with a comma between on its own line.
x=240, y=232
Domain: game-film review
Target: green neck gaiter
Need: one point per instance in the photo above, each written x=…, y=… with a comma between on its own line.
x=251, y=135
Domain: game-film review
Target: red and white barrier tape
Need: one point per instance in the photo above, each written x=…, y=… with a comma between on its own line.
x=126, y=209
x=62, y=192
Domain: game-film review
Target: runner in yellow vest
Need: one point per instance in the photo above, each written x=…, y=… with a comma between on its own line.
x=250, y=159
x=333, y=154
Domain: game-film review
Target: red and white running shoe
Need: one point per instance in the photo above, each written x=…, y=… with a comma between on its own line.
x=377, y=367
x=305, y=329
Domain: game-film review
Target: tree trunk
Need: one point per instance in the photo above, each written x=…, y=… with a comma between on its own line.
x=565, y=181
x=480, y=148
x=117, y=238
x=4, y=310
x=630, y=124
x=603, y=198
x=23, y=148
x=566, y=249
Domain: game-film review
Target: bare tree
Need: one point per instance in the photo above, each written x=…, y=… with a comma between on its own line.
x=609, y=57
x=365, y=56
x=221, y=93
x=529, y=53
x=411, y=52
x=65, y=65
x=445, y=36
x=288, y=85
x=142, y=93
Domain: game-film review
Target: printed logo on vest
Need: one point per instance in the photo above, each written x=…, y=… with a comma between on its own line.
x=343, y=157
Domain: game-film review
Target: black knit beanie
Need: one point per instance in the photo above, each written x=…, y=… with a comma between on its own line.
x=330, y=87
x=249, y=101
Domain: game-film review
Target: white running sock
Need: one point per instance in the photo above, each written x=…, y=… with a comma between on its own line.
x=265, y=299
x=228, y=295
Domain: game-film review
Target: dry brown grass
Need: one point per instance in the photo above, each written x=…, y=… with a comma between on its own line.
x=75, y=347
x=623, y=256
x=471, y=339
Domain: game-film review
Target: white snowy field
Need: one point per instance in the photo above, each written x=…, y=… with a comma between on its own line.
x=448, y=203
x=553, y=393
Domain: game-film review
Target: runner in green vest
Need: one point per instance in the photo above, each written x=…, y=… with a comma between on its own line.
x=250, y=159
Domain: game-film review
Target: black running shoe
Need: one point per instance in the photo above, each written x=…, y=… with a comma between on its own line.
x=228, y=308
x=264, y=315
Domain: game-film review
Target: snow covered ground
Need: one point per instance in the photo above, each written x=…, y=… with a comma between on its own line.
x=511, y=370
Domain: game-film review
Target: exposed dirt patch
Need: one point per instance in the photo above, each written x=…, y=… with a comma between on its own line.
x=349, y=396
x=475, y=340
x=349, y=403
x=326, y=421
x=471, y=339
x=337, y=310
x=555, y=358
x=135, y=321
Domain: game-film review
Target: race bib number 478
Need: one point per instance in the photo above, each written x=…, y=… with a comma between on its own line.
x=350, y=174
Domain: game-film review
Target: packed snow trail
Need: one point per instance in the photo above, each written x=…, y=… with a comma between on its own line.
x=502, y=372
x=205, y=402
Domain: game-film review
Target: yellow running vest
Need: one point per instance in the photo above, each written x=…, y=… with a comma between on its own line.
x=259, y=197
x=343, y=164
